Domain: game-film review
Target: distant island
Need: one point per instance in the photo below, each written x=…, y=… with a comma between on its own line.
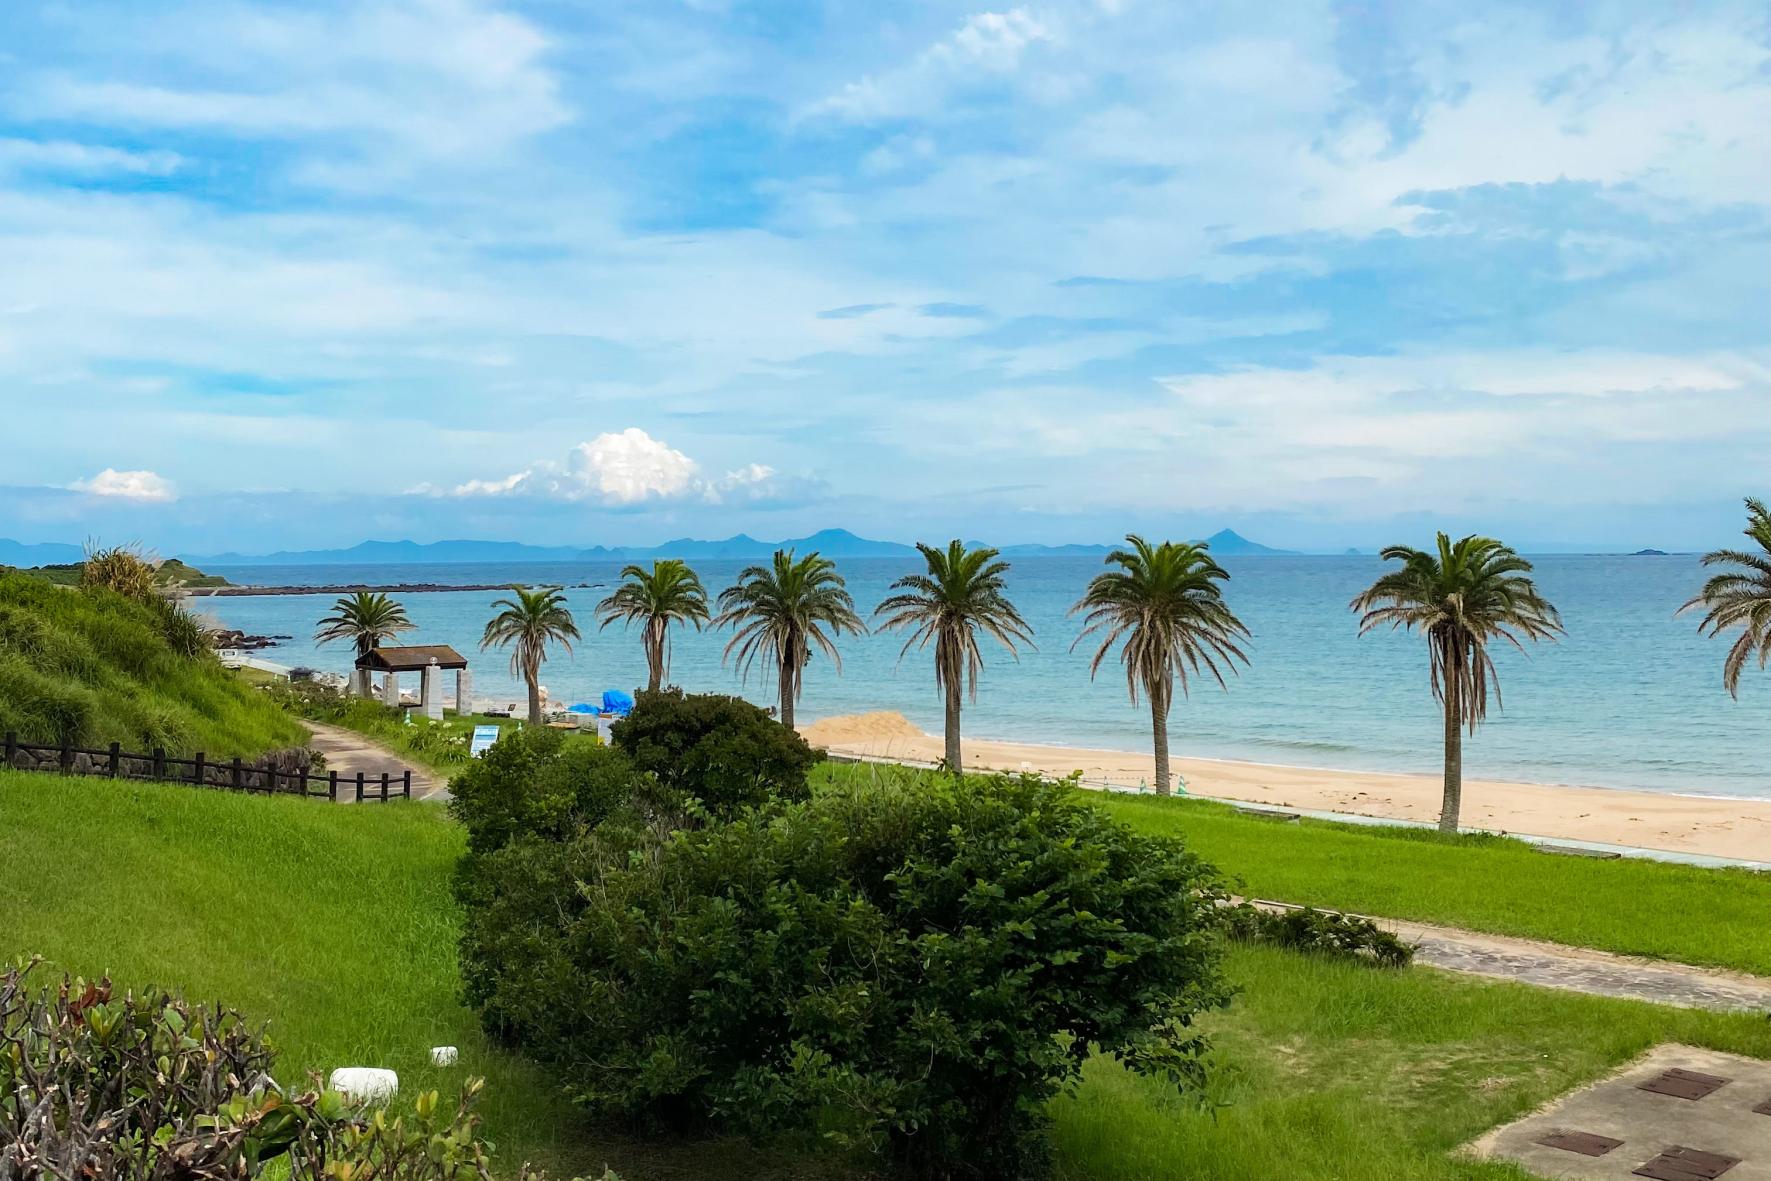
x=1649, y=553
x=832, y=543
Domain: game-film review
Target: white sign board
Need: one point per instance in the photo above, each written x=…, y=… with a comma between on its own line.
x=483, y=738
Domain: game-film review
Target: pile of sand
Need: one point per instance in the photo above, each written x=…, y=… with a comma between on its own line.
x=848, y=729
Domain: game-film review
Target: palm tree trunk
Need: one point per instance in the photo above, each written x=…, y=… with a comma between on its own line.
x=1159, y=721
x=952, y=756
x=654, y=657
x=1454, y=764
x=533, y=676
x=786, y=695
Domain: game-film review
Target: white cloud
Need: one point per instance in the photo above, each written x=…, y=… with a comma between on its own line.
x=628, y=468
x=83, y=159
x=985, y=44
x=144, y=486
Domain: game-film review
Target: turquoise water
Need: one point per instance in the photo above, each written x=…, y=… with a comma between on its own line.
x=1631, y=698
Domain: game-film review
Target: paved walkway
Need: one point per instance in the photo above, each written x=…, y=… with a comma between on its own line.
x=1577, y=969
x=348, y=752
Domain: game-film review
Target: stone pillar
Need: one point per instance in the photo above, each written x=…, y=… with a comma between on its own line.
x=430, y=694
x=463, y=691
x=359, y=684
x=390, y=690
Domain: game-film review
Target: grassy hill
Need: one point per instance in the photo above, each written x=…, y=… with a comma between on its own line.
x=170, y=573
x=336, y=925
x=95, y=667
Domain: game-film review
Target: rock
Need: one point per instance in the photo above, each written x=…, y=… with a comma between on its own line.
x=444, y=1055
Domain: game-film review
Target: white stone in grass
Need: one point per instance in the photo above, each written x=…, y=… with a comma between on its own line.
x=365, y=1082
x=443, y=1055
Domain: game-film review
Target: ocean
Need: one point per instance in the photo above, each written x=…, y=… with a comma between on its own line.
x=1632, y=697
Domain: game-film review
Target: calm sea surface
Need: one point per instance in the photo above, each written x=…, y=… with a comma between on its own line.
x=1631, y=698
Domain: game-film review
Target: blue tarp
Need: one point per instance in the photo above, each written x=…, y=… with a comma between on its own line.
x=581, y=708
x=618, y=703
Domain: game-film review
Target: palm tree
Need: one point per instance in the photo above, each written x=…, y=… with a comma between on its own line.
x=1460, y=597
x=527, y=624
x=1740, y=598
x=781, y=611
x=961, y=595
x=668, y=593
x=1164, y=602
x=365, y=618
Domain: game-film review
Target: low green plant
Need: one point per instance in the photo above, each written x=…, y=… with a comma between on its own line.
x=536, y=783
x=1317, y=932
x=914, y=967
x=722, y=751
x=97, y=1085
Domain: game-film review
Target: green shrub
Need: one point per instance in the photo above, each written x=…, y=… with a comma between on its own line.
x=1322, y=932
x=535, y=783
x=916, y=965
x=146, y=1087
x=722, y=751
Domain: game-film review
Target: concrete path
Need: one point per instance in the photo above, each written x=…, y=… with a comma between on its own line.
x=1576, y=969
x=348, y=752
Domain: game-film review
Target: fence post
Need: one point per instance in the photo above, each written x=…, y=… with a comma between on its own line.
x=234, y=776
x=116, y=760
x=359, y=787
x=67, y=754
x=384, y=787
x=301, y=780
x=197, y=770
x=332, y=786
x=159, y=769
x=406, y=784
x=11, y=746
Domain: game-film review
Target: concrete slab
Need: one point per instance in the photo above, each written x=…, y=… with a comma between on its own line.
x=1648, y=1123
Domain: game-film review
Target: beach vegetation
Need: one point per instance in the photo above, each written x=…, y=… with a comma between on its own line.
x=669, y=593
x=963, y=593
x=527, y=623
x=121, y=569
x=364, y=620
x=539, y=783
x=1322, y=1069
x=1462, y=596
x=1740, y=598
x=782, y=612
x=1316, y=932
x=1165, y=610
x=91, y=667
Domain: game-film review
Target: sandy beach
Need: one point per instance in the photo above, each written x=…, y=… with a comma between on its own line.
x=1735, y=828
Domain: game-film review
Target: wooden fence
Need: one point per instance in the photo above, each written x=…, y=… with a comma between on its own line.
x=199, y=771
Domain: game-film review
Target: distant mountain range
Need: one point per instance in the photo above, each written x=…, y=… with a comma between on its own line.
x=832, y=543
x=48, y=553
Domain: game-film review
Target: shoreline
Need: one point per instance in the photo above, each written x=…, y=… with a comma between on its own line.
x=351, y=588
x=1731, y=827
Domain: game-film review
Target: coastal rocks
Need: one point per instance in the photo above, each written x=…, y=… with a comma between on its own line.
x=239, y=641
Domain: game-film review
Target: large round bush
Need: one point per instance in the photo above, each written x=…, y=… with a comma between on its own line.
x=916, y=964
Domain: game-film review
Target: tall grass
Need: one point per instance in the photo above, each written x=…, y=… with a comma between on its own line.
x=93, y=667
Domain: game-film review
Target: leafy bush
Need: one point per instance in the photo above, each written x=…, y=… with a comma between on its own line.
x=915, y=965
x=722, y=751
x=96, y=1086
x=1320, y=932
x=536, y=783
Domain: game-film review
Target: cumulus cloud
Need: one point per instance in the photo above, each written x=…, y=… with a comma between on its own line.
x=631, y=468
x=145, y=486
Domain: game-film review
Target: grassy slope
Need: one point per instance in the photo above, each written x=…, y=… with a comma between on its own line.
x=98, y=668
x=441, y=746
x=337, y=924
x=1676, y=912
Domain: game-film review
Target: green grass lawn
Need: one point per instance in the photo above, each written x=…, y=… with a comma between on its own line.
x=336, y=924
x=442, y=746
x=1485, y=883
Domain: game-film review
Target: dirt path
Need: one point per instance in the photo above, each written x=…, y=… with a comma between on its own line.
x=1577, y=969
x=348, y=752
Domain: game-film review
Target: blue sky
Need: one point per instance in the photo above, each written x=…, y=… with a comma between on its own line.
x=284, y=275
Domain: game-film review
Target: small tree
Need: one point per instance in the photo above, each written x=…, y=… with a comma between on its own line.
x=668, y=593
x=1740, y=598
x=527, y=624
x=962, y=594
x=782, y=611
x=1165, y=604
x=1460, y=597
x=722, y=751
